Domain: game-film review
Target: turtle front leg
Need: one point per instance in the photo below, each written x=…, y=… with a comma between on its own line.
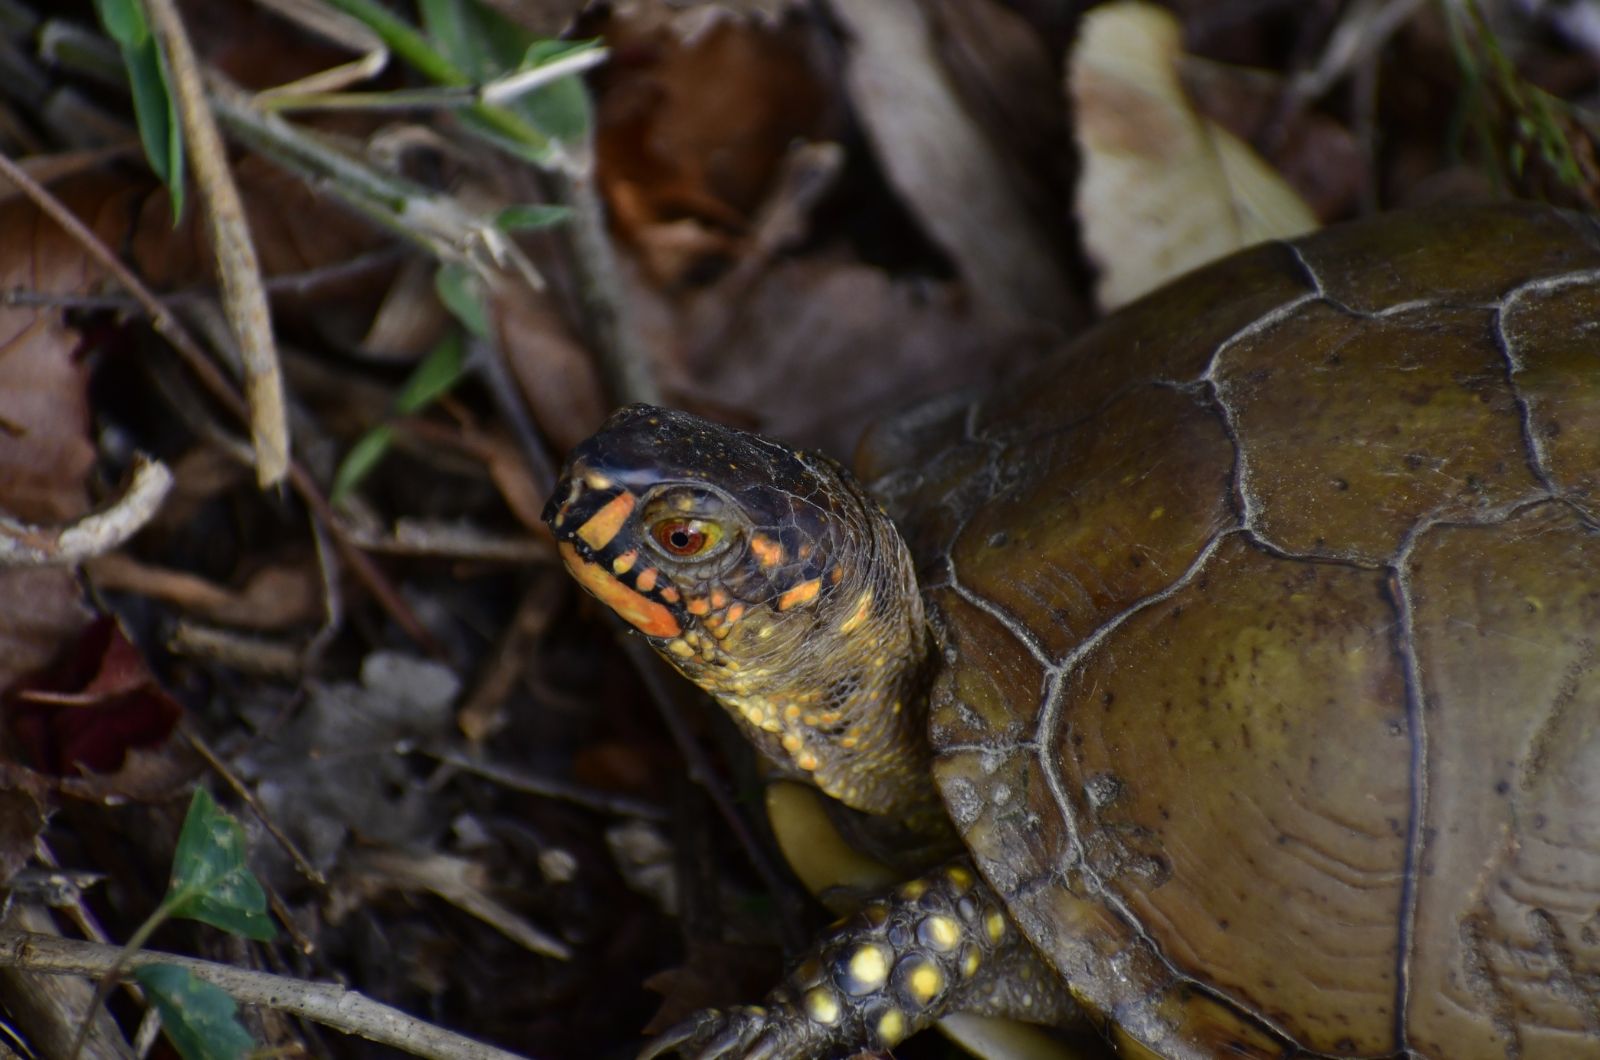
x=936, y=945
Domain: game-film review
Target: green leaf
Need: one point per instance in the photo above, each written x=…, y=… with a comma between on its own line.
x=477, y=39
x=561, y=109
x=123, y=21
x=200, y=1019
x=531, y=215
x=154, y=108
x=210, y=881
x=360, y=461
x=461, y=291
x=436, y=376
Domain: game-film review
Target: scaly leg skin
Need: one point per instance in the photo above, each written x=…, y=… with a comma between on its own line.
x=939, y=944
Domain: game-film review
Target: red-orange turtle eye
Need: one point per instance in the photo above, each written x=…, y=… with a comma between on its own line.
x=685, y=537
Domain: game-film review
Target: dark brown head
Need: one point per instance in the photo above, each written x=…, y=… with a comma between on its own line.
x=766, y=576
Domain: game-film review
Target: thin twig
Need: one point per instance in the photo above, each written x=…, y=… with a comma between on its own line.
x=547, y=787
x=27, y=545
x=326, y=1003
x=238, y=268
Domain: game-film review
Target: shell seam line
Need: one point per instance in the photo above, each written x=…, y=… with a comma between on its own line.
x=1416, y=731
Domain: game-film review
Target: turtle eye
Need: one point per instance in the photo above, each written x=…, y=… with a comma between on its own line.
x=686, y=537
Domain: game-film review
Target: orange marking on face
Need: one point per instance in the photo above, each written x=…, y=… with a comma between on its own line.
x=768, y=552
x=604, y=524
x=624, y=563
x=803, y=593
x=700, y=606
x=735, y=613
x=646, y=580
x=719, y=599
x=646, y=615
x=670, y=595
x=835, y=574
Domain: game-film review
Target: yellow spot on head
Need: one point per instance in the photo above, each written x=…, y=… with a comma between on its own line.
x=1156, y=513
x=680, y=648
x=806, y=761
x=596, y=481
x=604, y=524
x=913, y=890
x=699, y=606
x=869, y=969
x=646, y=580
x=822, y=1006
x=791, y=742
x=803, y=593
x=768, y=552
x=891, y=1028
x=994, y=922
x=624, y=563
x=924, y=982
x=863, y=608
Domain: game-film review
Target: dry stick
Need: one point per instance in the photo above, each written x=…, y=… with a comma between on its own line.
x=623, y=358
x=237, y=266
x=326, y=1003
x=217, y=385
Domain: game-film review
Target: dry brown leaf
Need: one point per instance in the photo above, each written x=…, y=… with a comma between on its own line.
x=945, y=166
x=45, y=447
x=822, y=348
x=554, y=371
x=1162, y=190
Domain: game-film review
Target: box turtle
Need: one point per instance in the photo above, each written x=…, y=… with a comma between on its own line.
x=1251, y=647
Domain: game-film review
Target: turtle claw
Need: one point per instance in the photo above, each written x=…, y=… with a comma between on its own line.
x=747, y=1032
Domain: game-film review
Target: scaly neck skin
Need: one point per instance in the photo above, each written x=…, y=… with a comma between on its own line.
x=833, y=687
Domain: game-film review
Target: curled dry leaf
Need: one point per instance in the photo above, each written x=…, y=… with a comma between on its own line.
x=1162, y=189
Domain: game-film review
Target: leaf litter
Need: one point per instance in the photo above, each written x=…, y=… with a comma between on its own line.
x=794, y=217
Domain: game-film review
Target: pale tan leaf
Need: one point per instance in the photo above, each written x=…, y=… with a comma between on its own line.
x=1162, y=189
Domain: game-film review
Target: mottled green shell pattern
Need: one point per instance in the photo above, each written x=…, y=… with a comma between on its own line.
x=1272, y=631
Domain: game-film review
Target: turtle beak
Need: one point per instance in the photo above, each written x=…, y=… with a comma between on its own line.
x=587, y=513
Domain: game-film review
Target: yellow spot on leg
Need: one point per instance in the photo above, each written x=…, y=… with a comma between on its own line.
x=994, y=922
x=891, y=1028
x=869, y=970
x=924, y=982
x=822, y=1006
x=939, y=932
x=969, y=962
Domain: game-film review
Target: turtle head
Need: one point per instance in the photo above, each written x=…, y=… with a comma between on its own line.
x=767, y=576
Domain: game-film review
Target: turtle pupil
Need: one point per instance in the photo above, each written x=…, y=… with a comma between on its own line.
x=681, y=538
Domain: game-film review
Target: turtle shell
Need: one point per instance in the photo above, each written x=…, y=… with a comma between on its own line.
x=1271, y=627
